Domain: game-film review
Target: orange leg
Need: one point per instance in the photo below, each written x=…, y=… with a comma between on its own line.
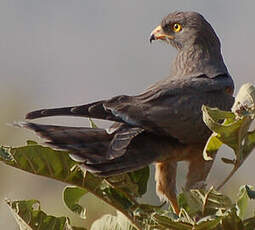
x=165, y=177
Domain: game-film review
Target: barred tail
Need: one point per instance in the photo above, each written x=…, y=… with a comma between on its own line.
x=92, y=110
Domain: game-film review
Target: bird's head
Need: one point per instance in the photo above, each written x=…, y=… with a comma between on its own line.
x=185, y=29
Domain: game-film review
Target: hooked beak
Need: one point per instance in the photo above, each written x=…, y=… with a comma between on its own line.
x=158, y=33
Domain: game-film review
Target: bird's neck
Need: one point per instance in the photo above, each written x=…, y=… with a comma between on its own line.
x=196, y=59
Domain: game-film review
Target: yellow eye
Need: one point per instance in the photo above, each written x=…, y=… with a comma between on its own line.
x=177, y=27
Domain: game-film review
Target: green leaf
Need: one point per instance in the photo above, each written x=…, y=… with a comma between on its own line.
x=242, y=201
x=71, y=197
x=47, y=162
x=109, y=222
x=212, y=146
x=29, y=216
x=227, y=132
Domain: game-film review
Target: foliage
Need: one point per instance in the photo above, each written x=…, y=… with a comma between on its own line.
x=29, y=216
x=234, y=131
x=200, y=209
x=118, y=191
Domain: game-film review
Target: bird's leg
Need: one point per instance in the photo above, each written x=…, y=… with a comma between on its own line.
x=198, y=170
x=165, y=177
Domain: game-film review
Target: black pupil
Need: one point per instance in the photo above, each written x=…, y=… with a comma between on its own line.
x=176, y=26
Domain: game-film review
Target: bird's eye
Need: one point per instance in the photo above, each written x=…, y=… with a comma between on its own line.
x=176, y=27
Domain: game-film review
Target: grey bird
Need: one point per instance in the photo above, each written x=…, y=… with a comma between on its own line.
x=164, y=123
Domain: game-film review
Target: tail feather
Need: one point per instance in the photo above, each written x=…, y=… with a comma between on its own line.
x=93, y=144
x=72, y=138
x=92, y=110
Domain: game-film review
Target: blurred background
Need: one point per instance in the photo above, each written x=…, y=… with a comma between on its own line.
x=60, y=52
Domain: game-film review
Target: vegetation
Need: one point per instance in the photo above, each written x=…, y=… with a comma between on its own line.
x=200, y=209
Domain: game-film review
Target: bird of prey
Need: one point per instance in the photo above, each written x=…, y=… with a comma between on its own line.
x=163, y=124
